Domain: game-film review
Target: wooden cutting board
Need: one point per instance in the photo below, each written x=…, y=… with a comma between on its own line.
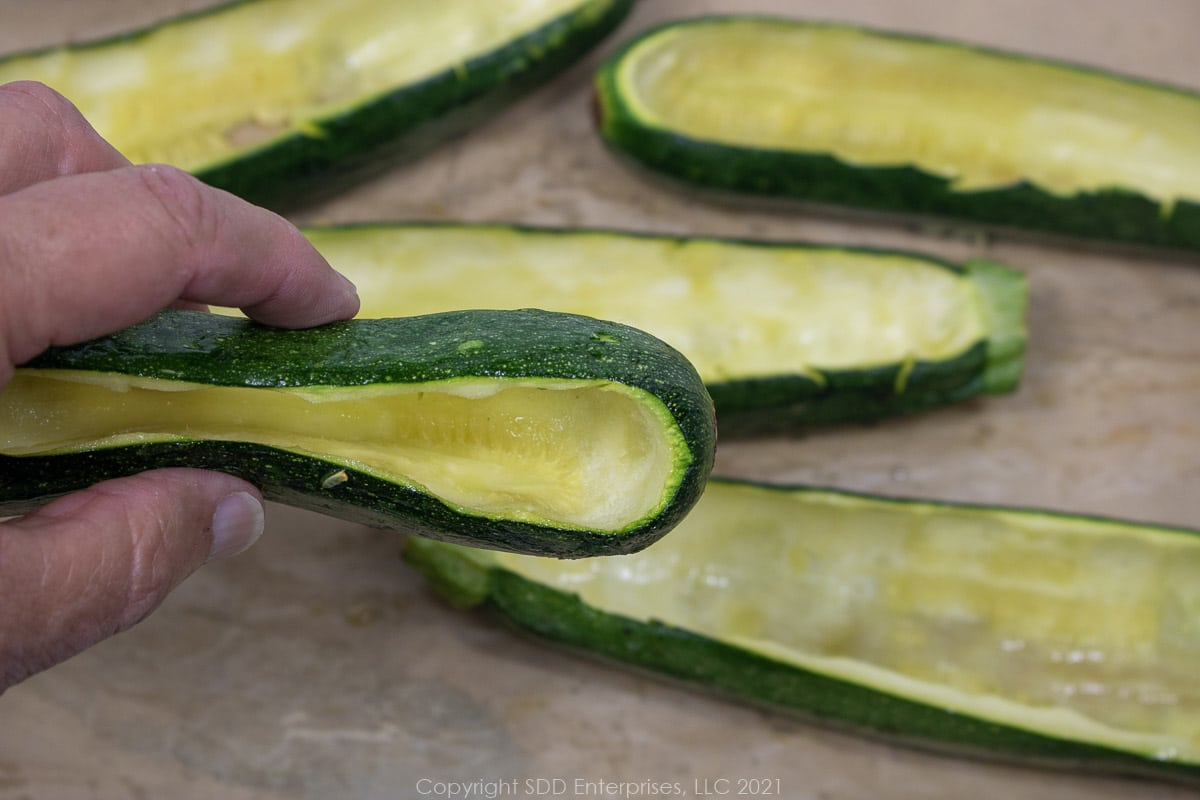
x=319, y=666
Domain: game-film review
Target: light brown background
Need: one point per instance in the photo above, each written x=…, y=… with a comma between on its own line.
x=319, y=666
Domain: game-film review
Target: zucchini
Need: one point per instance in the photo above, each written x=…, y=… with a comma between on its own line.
x=783, y=334
x=1014, y=634
x=271, y=99
x=899, y=123
x=524, y=430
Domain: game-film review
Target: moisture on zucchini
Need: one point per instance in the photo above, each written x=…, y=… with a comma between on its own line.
x=272, y=98
x=529, y=431
x=845, y=115
x=1010, y=633
x=783, y=334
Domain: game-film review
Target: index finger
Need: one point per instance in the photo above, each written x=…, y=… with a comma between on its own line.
x=87, y=255
x=46, y=137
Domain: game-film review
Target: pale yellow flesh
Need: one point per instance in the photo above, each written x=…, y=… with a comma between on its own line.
x=191, y=93
x=578, y=454
x=1086, y=629
x=765, y=311
x=980, y=120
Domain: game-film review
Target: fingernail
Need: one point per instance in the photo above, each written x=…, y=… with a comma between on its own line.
x=236, y=524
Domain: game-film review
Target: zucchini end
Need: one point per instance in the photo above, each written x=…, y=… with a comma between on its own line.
x=1004, y=298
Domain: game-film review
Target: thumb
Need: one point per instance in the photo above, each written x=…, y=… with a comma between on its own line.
x=96, y=562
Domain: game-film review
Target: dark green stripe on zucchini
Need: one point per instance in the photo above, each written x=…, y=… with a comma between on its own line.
x=280, y=101
x=899, y=123
x=784, y=334
x=525, y=430
x=1004, y=633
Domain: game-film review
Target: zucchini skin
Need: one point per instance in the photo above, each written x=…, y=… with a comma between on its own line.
x=787, y=401
x=726, y=670
x=403, y=123
x=781, y=403
x=224, y=351
x=1115, y=214
x=409, y=121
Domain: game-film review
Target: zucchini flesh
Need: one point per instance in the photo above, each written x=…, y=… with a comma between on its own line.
x=263, y=96
x=1013, y=633
x=539, y=432
x=783, y=334
x=839, y=114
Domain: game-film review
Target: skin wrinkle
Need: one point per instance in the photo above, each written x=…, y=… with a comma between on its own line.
x=58, y=131
x=193, y=219
x=285, y=287
x=37, y=292
x=59, y=622
x=150, y=575
x=143, y=576
x=118, y=544
x=53, y=143
x=13, y=271
x=247, y=257
x=137, y=569
x=203, y=228
x=63, y=137
x=44, y=568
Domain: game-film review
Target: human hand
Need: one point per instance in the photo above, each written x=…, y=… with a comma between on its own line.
x=90, y=244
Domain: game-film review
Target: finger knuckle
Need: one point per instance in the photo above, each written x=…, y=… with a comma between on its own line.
x=57, y=117
x=44, y=95
x=149, y=572
x=187, y=214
